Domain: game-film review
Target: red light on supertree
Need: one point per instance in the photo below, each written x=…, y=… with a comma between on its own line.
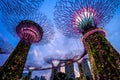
x=76, y=17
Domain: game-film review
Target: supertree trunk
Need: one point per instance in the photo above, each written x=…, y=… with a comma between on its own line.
x=13, y=67
x=29, y=75
x=104, y=59
x=54, y=73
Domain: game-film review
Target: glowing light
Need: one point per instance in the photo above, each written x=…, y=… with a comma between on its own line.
x=55, y=62
x=84, y=17
x=31, y=68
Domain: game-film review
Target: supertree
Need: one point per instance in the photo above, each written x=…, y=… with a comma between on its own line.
x=19, y=6
x=30, y=70
x=55, y=62
x=31, y=28
x=75, y=17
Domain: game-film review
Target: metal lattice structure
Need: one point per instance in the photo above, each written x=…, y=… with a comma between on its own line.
x=55, y=62
x=11, y=21
x=73, y=16
x=29, y=32
x=19, y=6
x=31, y=28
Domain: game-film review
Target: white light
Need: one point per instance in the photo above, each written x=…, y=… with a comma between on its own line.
x=55, y=62
x=31, y=68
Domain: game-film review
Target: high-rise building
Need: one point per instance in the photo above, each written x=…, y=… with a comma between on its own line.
x=42, y=78
x=69, y=70
x=36, y=78
x=86, y=69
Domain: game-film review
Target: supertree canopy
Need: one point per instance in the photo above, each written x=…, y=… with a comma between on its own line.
x=74, y=17
x=55, y=62
x=29, y=32
x=30, y=28
x=19, y=6
x=11, y=21
x=30, y=70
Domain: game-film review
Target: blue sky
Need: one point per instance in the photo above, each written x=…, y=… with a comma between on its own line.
x=60, y=45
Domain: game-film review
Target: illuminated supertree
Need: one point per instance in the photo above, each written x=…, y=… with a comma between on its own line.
x=75, y=17
x=30, y=70
x=31, y=28
x=19, y=6
x=55, y=62
x=29, y=32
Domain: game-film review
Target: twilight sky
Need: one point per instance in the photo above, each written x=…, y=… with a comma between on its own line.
x=60, y=45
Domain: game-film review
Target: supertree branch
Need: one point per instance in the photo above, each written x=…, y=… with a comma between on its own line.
x=79, y=16
x=11, y=21
x=31, y=69
x=21, y=6
x=31, y=28
x=55, y=62
x=75, y=16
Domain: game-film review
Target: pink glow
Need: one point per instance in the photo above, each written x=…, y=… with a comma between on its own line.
x=30, y=32
x=82, y=14
x=89, y=33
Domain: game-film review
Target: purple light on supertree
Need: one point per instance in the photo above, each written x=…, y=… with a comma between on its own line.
x=87, y=17
x=19, y=6
x=30, y=31
x=72, y=17
x=31, y=28
x=11, y=21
